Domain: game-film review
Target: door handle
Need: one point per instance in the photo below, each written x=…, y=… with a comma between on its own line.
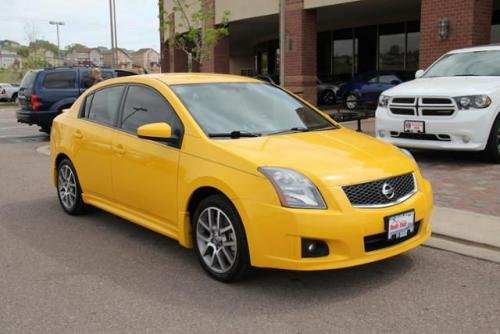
x=78, y=134
x=119, y=149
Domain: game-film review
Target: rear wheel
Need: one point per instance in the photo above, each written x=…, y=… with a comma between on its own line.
x=351, y=101
x=219, y=239
x=14, y=98
x=492, y=150
x=68, y=188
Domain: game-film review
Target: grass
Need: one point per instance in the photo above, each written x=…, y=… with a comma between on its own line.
x=11, y=76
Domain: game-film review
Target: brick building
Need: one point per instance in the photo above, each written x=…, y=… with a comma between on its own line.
x=340, y=38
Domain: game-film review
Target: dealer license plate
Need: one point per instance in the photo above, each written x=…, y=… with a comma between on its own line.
x=400, y=225
x=414, y=126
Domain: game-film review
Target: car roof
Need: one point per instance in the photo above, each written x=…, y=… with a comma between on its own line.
x=490, y=47
x=198, y=78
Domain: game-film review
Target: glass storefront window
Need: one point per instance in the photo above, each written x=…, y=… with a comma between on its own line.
x=391, y=47
x=495, y=27
x=344, y=57
x=412, y=46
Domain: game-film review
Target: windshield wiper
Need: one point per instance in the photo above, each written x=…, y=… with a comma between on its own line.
x=294, y=129
x=234, y=134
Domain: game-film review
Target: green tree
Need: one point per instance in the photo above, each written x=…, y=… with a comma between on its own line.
x=73, y=46
x=193, y=33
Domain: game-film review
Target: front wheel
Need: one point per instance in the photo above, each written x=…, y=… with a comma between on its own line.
x=68, y=188
x=492, y=150
x=14, y=98
x=328, y=98
x=219, y=239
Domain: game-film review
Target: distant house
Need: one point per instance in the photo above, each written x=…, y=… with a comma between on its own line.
x=9, y=59
x=124, y=61
x=146, y=58
x=9, y=45
x=85, y=56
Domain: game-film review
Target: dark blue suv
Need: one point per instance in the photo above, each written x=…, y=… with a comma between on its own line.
x=44, y=93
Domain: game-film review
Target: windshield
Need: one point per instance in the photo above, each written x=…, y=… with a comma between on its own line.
x=247, y=108
x=479, y=63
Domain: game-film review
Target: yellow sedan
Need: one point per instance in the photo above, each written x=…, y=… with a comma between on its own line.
x=242, y=171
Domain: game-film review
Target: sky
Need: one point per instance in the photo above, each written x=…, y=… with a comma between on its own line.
x=86, y=22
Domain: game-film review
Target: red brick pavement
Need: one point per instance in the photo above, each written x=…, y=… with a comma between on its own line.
x=460, y=180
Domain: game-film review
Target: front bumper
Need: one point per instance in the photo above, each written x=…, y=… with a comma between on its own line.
x=274, y=233
x=468, y=130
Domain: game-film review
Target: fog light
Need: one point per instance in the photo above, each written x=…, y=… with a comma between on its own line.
x=314, y=248
x=381, y=133
x=466, y=139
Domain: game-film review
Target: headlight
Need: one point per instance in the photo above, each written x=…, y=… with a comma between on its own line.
x=294, y=189
x=473, y=101
x=408, y=153
x=383, y=101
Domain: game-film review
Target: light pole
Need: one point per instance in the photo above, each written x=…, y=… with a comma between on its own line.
x=57, y=24
x=112, y=24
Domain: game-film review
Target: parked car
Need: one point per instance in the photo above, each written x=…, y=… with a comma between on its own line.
x=453, y=105
x=240, y=170
x=44, y=93
x=365, y=88
x=326, y=91
x=8, y=92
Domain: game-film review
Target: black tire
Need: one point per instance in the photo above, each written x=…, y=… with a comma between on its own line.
x=351, y=101
x=77, y=206
x=492, y=150
x=46, y=129
x=14, y=98
x=328, y=98
x=241, y=265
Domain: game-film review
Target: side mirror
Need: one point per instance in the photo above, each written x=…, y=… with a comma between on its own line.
x=419, y=74
x=161, y=132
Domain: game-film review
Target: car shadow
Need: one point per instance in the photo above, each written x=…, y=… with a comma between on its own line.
x=111, y=249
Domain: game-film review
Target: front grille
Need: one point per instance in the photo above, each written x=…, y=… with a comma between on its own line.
x=369, y=194
x=379, y=241
x=437, y=112
x=422, y=106
x=420, y=136
x=436, y=100
x=402, y=111
x=404, y=100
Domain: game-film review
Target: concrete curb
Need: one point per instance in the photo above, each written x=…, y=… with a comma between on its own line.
x=45, y=149
x=467, y=233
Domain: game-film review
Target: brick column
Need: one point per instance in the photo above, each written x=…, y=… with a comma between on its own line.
x=469, y=25
x=300, y=50
x=218, y=61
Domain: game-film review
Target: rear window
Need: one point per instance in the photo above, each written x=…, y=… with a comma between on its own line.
x=28, y=79
x=59, y=80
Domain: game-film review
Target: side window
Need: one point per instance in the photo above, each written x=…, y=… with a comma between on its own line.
x=388, y=78
x=144, y=105
x=84, y=113
x=105, y=104
x=60, y=80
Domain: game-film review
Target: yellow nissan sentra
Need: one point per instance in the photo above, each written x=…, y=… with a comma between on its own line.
x=242, y=171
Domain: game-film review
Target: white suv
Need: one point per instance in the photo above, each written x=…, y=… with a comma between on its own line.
x=453, y=105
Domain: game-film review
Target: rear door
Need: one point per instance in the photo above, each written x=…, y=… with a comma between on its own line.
x=92, y=141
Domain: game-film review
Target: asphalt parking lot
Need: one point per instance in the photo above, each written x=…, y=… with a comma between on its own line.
x=99, y=273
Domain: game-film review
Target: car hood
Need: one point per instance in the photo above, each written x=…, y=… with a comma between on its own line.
x=446, y=86
x=333, y=157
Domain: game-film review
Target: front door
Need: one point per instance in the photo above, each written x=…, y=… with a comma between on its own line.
x=144, y=172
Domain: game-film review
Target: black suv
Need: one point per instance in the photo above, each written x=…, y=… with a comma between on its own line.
x=44, y=93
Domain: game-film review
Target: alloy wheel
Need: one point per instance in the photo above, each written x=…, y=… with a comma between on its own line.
x=66, y=186
x=351, y=101
x=216, y=240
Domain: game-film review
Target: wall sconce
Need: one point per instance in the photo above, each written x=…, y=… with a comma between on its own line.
x=443, y=28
